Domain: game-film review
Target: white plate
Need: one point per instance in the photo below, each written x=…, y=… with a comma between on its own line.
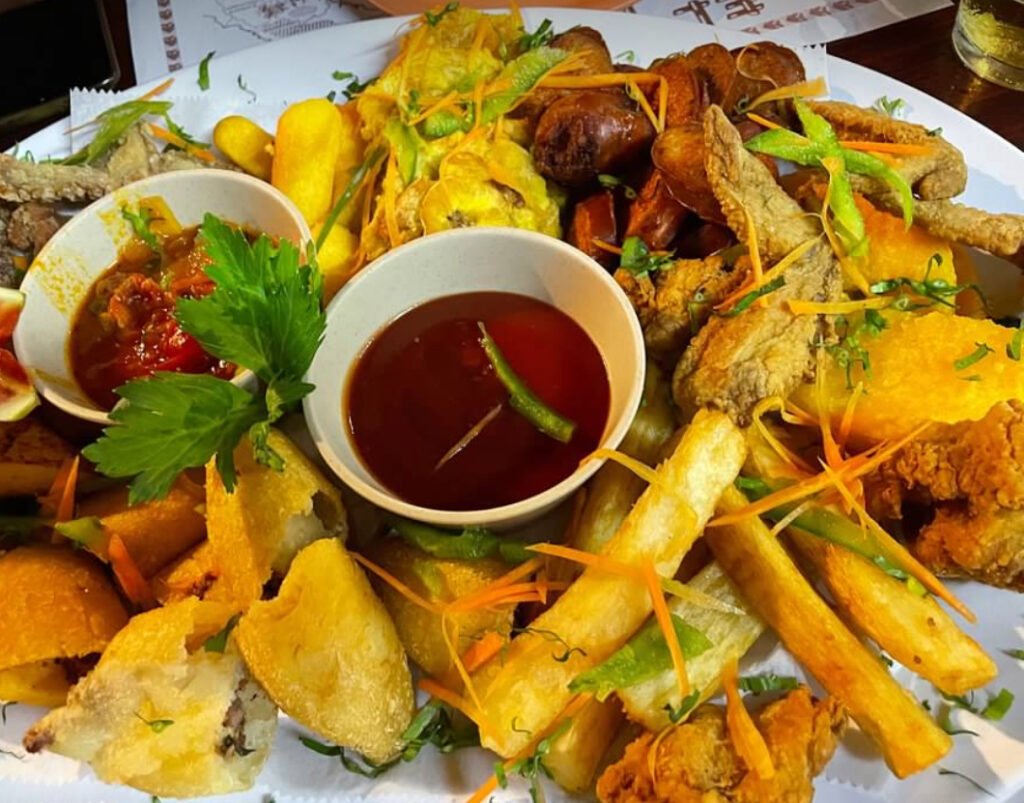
x=301, y=67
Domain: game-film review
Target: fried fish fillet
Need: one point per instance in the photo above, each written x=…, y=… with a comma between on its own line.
x=22, y=181
x=939, y=174
x=675, y=303
x=735, y=362
x=697, y=763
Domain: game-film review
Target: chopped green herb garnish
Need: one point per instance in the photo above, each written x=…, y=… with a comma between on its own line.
x=934, y=132
x=532, y=768
x=156, y=725
x=611, y=182
x=139, y=221
x=1016, y=344
x=521, y=398
x=552, y=636
x=539, y=38
x=748, y=300
x=627, y=56
x=182, y=134
x=998, y=706
x=971, y=781
x=354, y=86
x=432, y=18
x=245, y=88
x=850, y=351
x=889, y=107
x=1018, y=654
x=981, y=351
x=3, y=711
x=937, y=291
x=685, y=707
x=85, y=532
x=759, y=684
x=885, y=659
x=204, y=71
x=471, y=543
x=113, y=124
x=638, y=259
x=218, y=642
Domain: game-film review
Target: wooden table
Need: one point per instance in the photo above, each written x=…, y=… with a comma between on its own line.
x=918, y=52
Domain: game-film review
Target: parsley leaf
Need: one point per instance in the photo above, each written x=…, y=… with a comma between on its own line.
x=204, y=71
x=976, y=356
x=264, y=313
x=147, y=442
x=139, y=221
x=638, y=259
x=434, y=17
x=892, y=108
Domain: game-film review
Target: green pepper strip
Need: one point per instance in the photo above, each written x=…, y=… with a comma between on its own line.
x=523, y=400
x=472, y=543
x=353, y=186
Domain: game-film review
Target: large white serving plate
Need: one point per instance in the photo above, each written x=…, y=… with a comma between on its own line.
x=301, y=67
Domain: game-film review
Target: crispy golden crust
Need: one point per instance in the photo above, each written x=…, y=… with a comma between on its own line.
x=987, y=546
x=22, y=181
x=676, y=302
x=697, y=763
x=940, y=174
x=57, y=604
x=742, y=184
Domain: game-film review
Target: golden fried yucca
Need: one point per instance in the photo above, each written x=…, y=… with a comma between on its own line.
x=194, y=574
x=327, y=652
x=440, y=581
x=163, y=714
x=57, y=604
x=259, y=527
x=30, y=456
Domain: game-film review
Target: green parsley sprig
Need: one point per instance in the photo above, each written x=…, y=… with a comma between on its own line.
x=204, y=71
x=532, y=768
x=638, y=259
x=264, y=314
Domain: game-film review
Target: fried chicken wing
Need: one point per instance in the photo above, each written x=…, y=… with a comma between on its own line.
x=987, y=546
x=939, y=174
x=735, y=362
x=697, y=763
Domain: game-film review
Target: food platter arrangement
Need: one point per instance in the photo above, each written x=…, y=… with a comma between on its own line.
x=544, y=406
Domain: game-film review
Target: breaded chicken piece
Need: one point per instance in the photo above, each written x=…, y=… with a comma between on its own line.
x=973, y=472
x=696, y=762
x=942, y=173
x=987, y=546
x=735, y=362
x=674, y=303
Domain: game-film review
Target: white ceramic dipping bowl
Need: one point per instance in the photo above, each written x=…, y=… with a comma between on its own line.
x=466, y=261
x=60, y=277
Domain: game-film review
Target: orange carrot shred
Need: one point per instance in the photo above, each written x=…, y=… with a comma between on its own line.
x=595, y=560
x=128, y=574
x=159, y=89
x=395, y=583
x=746, y=738
x=448, y=697
x=167, y=136
x=664, y=619
x=482, y=651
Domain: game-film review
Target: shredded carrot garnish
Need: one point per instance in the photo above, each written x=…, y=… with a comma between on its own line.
x=662, y=103
x=800, y=307
x=846, y=424
x=450, y=641
x=664, y=619
x=443, y=103
x=645, y=106
x=759, y=281
x=128, y=574
x=746, y=738
x=597, y=81
x=482, y=651
x=591, y=559
x=799, y=466
x=60, y=498
x=847, y=264
x=395, y=583
x=159, y=89
x=897, y=148
x=789, y=518
x=470, y=436
x=448, y=697
x=611, y=249
x=853, y=467
x=642, y=470
x=762, y=121
x=173, y=139
x=815, y=87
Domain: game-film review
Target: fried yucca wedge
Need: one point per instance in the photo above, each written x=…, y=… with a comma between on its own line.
x=440, y=581
x=194, y=574
x=328, y=654
x=57, y=604
x=258, y=528
x=164, y=711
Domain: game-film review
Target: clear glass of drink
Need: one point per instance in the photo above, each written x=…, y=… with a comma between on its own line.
x=989, y=38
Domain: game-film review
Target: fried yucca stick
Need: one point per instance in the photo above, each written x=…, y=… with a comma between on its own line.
x=761, y=568
x=912, y=629
x=600, y=611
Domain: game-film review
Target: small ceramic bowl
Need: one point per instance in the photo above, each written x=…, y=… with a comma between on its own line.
x=60, y=277
x=466, y=261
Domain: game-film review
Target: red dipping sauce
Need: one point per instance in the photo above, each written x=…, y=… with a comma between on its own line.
x=423, y=382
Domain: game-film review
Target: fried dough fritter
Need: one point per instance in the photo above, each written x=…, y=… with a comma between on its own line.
x=696, y=762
